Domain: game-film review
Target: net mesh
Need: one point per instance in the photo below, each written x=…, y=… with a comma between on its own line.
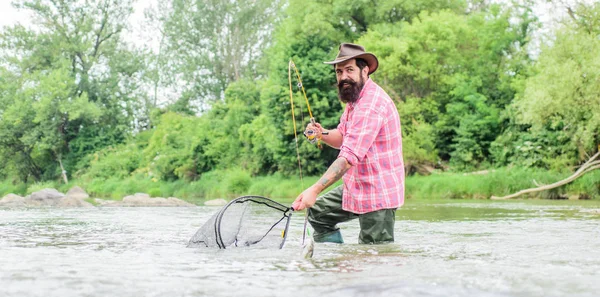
x=245, y=221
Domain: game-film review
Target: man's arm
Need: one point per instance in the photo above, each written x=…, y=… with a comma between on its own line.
x=308, y=198
x=333, y=138
x=337, y=169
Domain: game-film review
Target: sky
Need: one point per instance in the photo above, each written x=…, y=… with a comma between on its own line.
x=10, y=16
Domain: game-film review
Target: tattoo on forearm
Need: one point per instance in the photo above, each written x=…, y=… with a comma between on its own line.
x=335, y=172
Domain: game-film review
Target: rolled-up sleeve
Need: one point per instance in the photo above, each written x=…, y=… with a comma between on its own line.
x=360, y=133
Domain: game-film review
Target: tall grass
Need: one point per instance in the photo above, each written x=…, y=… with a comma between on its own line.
x=7, y=187
x=499, y=182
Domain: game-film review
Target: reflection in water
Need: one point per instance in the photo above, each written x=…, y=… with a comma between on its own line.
x=443, y=248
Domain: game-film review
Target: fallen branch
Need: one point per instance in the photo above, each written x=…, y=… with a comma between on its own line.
x=588, y=166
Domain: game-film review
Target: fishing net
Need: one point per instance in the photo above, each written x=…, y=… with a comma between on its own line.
x=245, y=221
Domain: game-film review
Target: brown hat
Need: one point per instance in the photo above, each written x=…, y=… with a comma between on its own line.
x=353, y=51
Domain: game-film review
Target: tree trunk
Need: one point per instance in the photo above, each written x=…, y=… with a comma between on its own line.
x=585, y=168
x=63, y=171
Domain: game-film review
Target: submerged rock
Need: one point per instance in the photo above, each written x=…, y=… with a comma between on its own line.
x=215, y=202
x=76, y=197
x=103, y=202
x=144, y=200
x=46, y=198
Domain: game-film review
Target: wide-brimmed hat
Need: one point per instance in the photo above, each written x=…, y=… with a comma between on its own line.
x=354, y=51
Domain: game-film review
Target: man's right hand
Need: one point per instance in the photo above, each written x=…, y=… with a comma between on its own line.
x=313, y=131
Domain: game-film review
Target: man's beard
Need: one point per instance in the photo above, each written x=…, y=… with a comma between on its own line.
x=350, y=93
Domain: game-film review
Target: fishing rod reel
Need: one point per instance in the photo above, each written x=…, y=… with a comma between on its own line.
x=312, y=135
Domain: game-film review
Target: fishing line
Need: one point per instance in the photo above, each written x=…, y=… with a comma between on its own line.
x=291, y=65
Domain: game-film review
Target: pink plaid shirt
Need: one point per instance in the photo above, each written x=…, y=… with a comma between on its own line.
x=372, y=144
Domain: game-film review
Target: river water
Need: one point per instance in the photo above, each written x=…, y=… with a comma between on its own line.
x=442, y=248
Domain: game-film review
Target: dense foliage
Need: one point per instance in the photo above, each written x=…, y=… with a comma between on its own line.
x=75, y=93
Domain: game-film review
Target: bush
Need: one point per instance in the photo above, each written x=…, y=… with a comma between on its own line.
x=176, y=149
x=155, y=192
x=7, y=187
x=238, y=182
x=113, y=162
x=587, y=185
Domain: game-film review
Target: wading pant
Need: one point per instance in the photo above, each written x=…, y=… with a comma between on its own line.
x=375, y=227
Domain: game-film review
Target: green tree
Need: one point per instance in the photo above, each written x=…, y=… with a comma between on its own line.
x=459, y=68
x=240, y=107
x=177, y=148
x=311, y=33
x=37, y=118
x=78, y=76
x=210, y=44
x=563, y=93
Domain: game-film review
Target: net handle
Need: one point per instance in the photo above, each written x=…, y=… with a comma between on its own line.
x=272, y=204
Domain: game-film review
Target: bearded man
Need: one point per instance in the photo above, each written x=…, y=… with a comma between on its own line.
x=370, y=160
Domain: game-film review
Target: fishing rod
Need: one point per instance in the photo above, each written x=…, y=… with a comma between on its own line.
x=313, y=137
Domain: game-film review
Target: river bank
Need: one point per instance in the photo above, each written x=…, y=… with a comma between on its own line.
x=77, y=197
x=228, y=185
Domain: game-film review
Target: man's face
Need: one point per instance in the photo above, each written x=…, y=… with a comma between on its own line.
x=350, y=80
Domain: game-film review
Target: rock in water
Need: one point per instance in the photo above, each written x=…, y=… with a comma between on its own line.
x=77, y=192
x=69, y=201
x=12, y=200
x=44, y=197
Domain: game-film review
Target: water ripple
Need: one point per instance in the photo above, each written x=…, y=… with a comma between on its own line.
x=441, y=249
